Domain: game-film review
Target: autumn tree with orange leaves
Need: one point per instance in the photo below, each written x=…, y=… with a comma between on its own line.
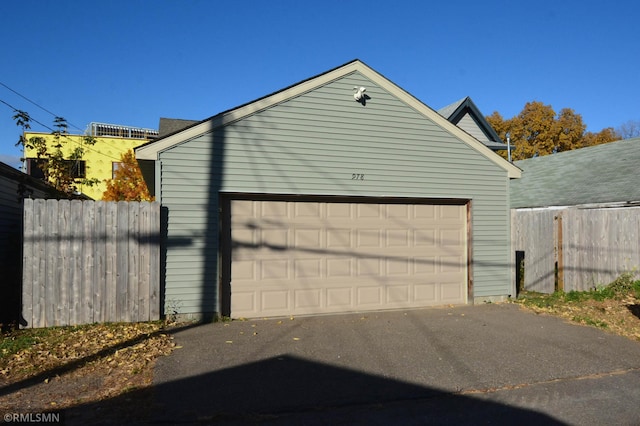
x=538, y=130
x=127, y=183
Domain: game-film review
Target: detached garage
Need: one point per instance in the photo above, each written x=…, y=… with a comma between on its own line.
x=325, y=198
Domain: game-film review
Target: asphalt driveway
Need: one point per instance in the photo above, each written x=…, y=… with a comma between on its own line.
x=488, y=364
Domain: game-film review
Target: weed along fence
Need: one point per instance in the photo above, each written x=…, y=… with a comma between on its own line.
x=90, y=261
x=574, y=249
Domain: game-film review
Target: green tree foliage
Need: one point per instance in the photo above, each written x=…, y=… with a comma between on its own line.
x=58, y=170
x=538, y=130
x=128, y=183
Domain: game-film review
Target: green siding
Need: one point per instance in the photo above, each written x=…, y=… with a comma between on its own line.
x=311, y=145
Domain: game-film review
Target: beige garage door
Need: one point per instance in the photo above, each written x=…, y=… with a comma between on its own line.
x=293, y=258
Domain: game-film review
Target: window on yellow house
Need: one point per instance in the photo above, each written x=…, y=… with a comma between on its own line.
x=77, y=168
x=33, y=169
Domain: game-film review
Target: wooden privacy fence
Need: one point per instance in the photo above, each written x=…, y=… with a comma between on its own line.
x=90, y=261
x=575, y=249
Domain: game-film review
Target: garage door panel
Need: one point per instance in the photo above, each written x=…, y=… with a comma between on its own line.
x=340, y=298
x=451, y=237
x=395, y=267
x=339, y=238
x=274, y=209
x=398, y=294
x=273, y=238
x=274, y=300
x=245, y=270
x=424, y=265
x=425, y=237
x=451, y=264
x=305, y=258
x=244, y=301
x=450, y=291
x=398, y=211
x=425, y=294
x=274, y=269
x=307, y=299
x=368, y=211
x=368, y=267
x=368, y=238
x=307, y=268
x=306, y=210
x=369, y=296
x=339, y=268
x=450, y=212
x=424, y=211
x=307, y=239
x=244, y=237
x=339, y=210
x=398, y=238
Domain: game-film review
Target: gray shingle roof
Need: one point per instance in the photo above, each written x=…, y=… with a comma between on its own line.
x=605, y=173
x=448, y=110
x=172, y=125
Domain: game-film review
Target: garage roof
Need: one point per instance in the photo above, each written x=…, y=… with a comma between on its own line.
x=151, y=150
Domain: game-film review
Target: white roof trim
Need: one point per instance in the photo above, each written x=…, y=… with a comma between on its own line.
x=151, y=151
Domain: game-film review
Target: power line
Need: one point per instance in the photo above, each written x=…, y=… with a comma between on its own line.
x=30, y=118
x=89, y=148
x=36, y=104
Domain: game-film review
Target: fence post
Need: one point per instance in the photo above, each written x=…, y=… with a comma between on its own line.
x=559, y=255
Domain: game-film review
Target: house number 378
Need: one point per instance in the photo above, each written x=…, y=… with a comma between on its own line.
x=357, y=176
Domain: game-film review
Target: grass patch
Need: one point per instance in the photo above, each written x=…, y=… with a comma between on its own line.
x=622, y=287
x=611, y=307
x=590, y=321
x=15, y=341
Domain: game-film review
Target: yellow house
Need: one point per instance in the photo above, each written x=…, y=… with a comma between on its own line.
x=99, y=160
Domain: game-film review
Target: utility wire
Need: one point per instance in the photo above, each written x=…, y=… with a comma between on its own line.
x=36, y=104
x=88, y=147
x=30, y=118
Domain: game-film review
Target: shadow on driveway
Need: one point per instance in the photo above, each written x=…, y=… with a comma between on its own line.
x=290, y=390
x=287, y=389
x=490, y=364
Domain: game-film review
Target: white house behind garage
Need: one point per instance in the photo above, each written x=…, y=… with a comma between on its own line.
x=309, y=201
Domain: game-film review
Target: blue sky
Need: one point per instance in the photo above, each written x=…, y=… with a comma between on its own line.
x=132, y=62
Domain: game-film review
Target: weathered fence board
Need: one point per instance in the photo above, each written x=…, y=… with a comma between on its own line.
x=533, y=233
x=597, y=245
x=90, y=261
